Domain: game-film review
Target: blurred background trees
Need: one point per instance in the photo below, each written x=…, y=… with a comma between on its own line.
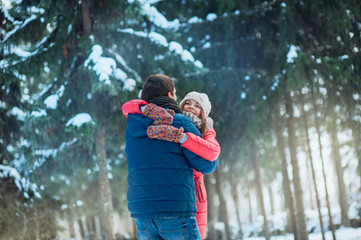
x=283, y=79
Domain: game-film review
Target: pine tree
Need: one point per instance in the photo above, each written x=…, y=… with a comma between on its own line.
x=258, y=180
x=289, y=199
x=81, y=61
x=101, y=51
x=310, y=159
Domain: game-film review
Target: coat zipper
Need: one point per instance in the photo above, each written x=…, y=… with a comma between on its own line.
x=200, y=189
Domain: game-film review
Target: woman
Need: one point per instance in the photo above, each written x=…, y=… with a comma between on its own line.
x=197, y=107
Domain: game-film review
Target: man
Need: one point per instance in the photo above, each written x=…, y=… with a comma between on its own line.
x=161, y=192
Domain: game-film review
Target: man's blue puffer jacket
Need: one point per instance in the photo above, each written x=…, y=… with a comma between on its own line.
x=160, y=175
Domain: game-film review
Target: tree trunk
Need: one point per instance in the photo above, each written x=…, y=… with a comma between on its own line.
x=356, y=136
x=235, y=198
x=106, y=221
x=70, y=220
x=309, y=176
x=339, y=172
x=248, y=194
x=37, y=227
x=91, y=227
x=87, y=24
x=332, y=130
x=301, y=219
x=211, y=215
x=286, y=180
x=258, y=179
x=320, y=148
x=81, y=228
x=132, y=227
x=309, y=156
x=357, y=141
x=222, y=203
x=270, y=193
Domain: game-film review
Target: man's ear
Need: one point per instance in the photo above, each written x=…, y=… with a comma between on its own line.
x=173, y=95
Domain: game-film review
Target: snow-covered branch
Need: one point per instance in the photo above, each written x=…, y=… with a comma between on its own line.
x=156, y=17
x=106, y=67
x=159, y=39
x=21, y=182
x=121, y=60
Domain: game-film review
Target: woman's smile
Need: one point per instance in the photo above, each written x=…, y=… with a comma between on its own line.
x=193, y=106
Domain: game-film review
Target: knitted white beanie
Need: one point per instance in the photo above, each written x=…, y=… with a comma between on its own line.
x=202, y=99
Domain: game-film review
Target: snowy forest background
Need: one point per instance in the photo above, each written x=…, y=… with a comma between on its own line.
x=283, y=78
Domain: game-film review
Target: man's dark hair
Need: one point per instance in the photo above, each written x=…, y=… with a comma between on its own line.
x=157, y=85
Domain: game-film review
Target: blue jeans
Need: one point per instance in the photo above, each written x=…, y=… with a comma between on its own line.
x=169, y=228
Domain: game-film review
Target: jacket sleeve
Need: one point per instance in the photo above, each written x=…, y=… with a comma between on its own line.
x=206, y=147
x=197, y=162
x=133, y=107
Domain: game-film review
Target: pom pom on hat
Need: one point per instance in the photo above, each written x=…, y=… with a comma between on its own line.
x=202, y=99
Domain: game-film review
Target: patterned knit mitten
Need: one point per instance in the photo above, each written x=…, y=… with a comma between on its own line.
x=158, y=114
x=165, y=132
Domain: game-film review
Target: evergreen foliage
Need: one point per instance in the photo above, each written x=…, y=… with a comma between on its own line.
x=68, y=66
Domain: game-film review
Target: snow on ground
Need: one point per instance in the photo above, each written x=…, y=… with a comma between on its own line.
x=342, y=234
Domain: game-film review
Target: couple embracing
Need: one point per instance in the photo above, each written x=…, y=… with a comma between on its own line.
x=169, y=148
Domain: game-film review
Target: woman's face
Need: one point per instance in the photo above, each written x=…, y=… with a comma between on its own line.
x=192, y=106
